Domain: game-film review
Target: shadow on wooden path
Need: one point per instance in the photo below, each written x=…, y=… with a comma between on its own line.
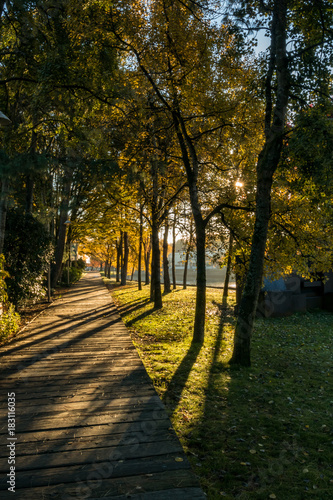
x=88, y=423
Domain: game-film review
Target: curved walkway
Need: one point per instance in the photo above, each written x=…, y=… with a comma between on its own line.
x=88, y=423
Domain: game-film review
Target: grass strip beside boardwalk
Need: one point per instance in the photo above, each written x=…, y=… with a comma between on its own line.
x=250, y=433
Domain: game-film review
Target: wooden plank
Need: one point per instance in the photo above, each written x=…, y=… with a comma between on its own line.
x=97, y=486
x=92, y=368
x=80, y=473
x=85, y=393
x=66, y=356
x=66, y=420
x=147, y=428
x=91, y=405
x=92, y=455
x=94, y=441
x=191, y=493
x=59, y=380
x=61, y=375
x=111, y=382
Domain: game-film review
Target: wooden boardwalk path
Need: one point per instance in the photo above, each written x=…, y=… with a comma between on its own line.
x=88, y=423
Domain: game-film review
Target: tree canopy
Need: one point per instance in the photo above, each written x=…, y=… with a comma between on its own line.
x=123, y=112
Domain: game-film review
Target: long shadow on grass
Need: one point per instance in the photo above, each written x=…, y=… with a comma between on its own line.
x=129, y=308
x=141, y=316
x=179, y=379
x=212, y=435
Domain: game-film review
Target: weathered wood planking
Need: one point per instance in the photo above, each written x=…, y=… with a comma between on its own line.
x=88, y=421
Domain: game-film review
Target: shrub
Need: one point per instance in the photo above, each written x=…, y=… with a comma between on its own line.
x=75, y=274
x=9, y=322
x=80, y=264
x=28, y=250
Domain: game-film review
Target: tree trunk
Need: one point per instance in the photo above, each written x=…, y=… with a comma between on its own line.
x=30, y=183
x=187, y=256
x=267, y=163
x=147, y=260
x=119, y=253
x=174, y=284
x=227, y=274
x=156, y=293
x=49, y=283
x=155, y=288
x=200, y=304
x=125, y=259
x=61, y=240
x=240, y=279
x=191, y=164
x=166, y=276
x=3, y=211
x=29, y=194
x=248, y=304
x=52, y=223
x=140, y=248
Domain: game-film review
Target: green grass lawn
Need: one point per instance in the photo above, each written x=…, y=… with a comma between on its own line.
x=250, y=433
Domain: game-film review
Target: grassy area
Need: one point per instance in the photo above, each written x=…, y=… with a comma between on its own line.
x=250, y=433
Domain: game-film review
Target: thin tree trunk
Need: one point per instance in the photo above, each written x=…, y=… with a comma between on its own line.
x=185, y=268
x=52, y=223
x=227, y=273
x=166, y=276
x=187, y=256
x=3, y=211
x=174, y=284
x=125, y=259
x=119, y=253
x=267, y=163
x=147, y=260
x=140, y=248
x=152, y=277
x=49, y=283
x=156, y=293
x=30, y=184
